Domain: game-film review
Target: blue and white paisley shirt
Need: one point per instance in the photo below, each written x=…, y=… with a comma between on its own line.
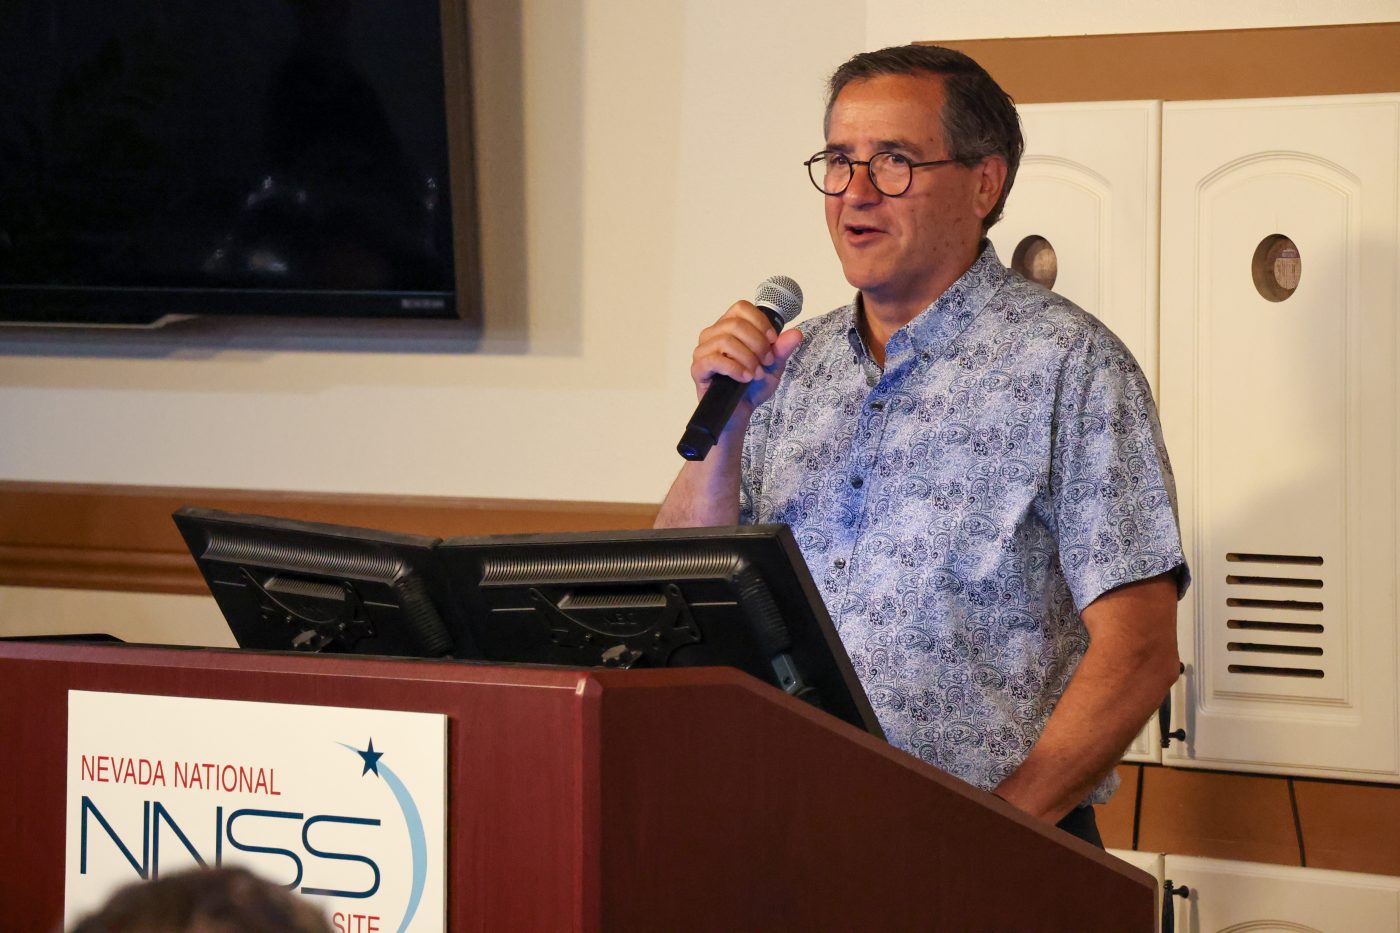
x=960, y=507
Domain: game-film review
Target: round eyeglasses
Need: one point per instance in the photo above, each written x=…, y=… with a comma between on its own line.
x=890, y=173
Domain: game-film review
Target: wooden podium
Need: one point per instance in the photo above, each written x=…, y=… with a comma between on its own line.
x=591, y=800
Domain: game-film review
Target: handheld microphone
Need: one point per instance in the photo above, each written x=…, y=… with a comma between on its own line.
x=780, y=300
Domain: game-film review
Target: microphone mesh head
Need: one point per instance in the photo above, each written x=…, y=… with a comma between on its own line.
x=780, y=294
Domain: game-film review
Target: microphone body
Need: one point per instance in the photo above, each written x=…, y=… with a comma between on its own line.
x=780, y=300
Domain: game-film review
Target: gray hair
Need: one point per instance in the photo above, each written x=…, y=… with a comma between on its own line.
x=979, y=118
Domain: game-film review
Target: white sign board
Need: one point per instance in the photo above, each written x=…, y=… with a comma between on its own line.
x=343, y=806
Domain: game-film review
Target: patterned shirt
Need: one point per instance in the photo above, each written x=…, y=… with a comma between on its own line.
x=959, y=508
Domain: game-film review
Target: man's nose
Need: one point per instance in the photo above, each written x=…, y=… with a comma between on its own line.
x=862, y=188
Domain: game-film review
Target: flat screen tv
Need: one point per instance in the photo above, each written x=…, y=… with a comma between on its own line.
x=252, y=157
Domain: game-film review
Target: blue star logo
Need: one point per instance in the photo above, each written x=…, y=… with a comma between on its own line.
x=371, y=758
x=413, y=822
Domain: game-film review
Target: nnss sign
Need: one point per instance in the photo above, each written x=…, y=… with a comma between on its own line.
x=343, y=805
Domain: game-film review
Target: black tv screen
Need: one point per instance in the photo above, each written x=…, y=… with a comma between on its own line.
x=269, y=157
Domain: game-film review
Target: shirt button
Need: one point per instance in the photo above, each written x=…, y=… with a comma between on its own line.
x=857, y=482
x=839, y=562
x=878, y=405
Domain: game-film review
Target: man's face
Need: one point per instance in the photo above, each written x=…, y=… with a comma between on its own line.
x=903, y=251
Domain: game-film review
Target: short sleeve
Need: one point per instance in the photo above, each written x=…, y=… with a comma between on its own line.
x=1111, y=485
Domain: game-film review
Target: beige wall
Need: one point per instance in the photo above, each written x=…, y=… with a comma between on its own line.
x=640, y=171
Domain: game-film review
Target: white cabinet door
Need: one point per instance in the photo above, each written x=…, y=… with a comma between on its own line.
x=1278, y=402
x=1235, y=897
x=1087, y=186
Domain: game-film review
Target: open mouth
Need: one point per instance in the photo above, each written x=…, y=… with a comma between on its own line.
x=861, y=231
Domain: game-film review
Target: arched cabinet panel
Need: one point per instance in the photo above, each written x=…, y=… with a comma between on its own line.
x=1279, y=236
x=1087, y=186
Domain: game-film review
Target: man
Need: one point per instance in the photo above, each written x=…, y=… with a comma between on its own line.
x=972, y=466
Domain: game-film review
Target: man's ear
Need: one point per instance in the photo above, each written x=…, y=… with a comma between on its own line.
x=990, y=177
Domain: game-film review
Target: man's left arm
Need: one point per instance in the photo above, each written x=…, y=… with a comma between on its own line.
x=1130, y=664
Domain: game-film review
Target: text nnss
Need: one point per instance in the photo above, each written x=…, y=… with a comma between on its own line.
x=159, y=825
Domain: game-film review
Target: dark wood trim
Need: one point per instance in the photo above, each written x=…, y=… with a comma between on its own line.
x=108, y=537
x=1342, y=825
x=1219, y=64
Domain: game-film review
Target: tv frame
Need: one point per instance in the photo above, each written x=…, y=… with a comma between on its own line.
x=38, y=305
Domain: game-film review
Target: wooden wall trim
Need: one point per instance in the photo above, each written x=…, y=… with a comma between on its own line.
x=109, y=537
x=1209, y=65
x=1340, y=825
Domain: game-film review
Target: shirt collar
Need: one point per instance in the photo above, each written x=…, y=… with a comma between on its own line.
x=941, y=322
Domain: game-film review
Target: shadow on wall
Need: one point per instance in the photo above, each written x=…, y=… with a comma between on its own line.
x=516, y=321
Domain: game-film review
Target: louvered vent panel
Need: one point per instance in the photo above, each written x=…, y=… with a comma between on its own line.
x=1281, y=635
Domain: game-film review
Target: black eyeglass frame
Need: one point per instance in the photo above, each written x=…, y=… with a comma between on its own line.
x=852, y=163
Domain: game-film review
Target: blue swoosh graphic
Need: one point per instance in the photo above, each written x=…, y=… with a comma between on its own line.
x=418, y=842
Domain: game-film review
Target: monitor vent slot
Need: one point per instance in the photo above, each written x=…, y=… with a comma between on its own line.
x=621, y=599
x=623, y=562
x=311, y=589
x=337, y=558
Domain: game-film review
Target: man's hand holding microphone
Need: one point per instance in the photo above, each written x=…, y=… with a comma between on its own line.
x=738, y=362
x=736, y=366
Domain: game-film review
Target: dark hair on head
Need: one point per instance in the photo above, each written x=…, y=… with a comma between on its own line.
x=979, y=118
x=205, y=900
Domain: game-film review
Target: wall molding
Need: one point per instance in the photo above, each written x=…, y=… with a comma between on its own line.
x=112, y=537
x=1273, y=818
x=1221, y=64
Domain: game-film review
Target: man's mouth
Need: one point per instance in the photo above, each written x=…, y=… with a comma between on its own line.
x=859, y=231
